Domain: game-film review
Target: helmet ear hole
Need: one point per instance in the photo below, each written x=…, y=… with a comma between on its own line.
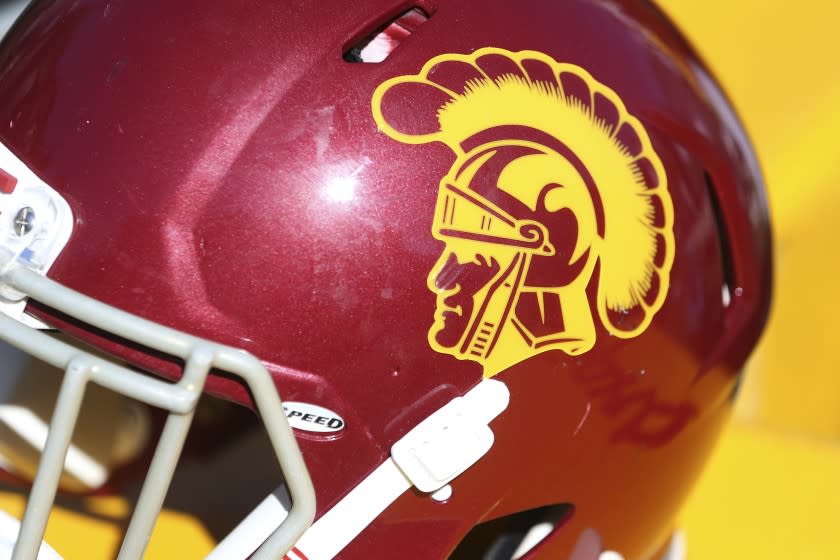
x=514, y=536
x=729, y=279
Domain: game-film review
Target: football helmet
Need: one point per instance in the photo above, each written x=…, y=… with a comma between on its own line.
x=503, y=262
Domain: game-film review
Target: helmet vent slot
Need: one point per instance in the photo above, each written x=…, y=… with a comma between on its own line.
x=514, y=536
x=728, y=281
x=377, y=46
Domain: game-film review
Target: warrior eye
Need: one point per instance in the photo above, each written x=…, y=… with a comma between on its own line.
x=377, y=46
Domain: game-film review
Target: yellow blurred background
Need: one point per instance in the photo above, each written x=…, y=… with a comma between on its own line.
x=772, y=487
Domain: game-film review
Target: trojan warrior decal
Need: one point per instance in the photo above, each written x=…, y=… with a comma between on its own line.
x=555, y=211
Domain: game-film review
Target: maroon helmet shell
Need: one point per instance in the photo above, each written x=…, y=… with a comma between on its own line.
x=245, y=173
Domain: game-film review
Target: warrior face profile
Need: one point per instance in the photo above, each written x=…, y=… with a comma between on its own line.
x=554, y=187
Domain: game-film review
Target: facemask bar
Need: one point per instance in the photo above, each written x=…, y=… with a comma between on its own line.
x=180, y=399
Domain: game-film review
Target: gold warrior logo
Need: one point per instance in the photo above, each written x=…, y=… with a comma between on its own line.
x=555, y=211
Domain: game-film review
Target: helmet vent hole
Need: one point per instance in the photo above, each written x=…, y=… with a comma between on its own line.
x=513, y=537
x=728, y=281
x=377, y=46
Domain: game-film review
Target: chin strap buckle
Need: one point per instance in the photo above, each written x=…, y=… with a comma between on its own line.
x=452, y=439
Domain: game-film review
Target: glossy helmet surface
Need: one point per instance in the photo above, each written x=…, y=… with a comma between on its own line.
x=554, y=195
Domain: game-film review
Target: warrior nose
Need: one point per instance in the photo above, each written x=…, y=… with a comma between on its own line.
x=449, y=273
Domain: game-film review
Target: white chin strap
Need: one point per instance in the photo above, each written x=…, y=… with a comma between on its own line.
x=431, y=455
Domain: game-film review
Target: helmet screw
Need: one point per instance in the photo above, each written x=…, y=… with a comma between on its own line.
x=24, y=221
